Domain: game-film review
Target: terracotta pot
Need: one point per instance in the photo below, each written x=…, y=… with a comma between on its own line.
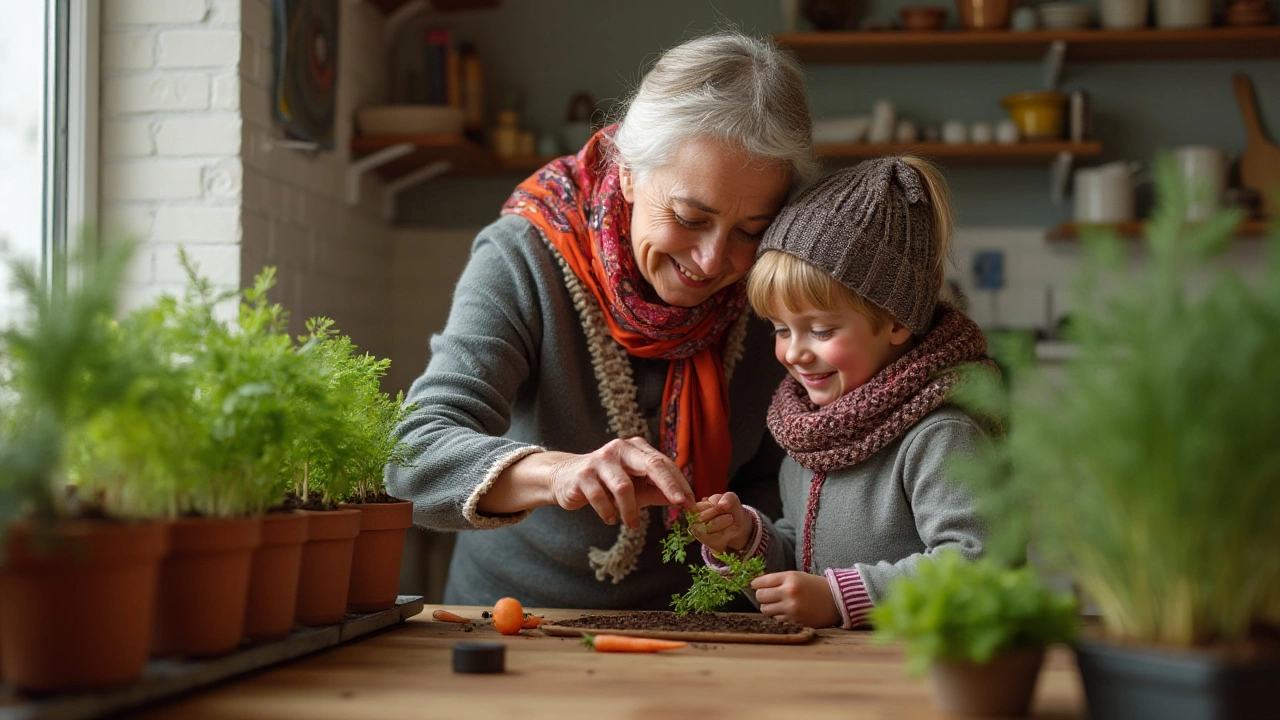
x=77, y=615
x=204, y=584
x=273, y=582
x=1001, y=687
x=375, y=568
x=326, y=566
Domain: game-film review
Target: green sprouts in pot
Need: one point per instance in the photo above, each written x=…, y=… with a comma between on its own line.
x=952, y=609
x=1151, y=473
x=368, y=415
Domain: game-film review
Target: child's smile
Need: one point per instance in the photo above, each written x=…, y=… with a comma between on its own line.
x=833, y=352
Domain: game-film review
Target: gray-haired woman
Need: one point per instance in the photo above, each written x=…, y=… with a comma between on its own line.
x=591, y=353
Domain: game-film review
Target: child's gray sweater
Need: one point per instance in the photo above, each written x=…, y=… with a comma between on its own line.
x=884, y=514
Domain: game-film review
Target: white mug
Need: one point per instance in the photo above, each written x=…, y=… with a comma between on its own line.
x=1104, y=194
x=955, y=132
x=1204, y=170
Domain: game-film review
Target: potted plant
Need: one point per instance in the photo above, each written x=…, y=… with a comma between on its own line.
x=980, y=629
x=1148, y=474
x=370, y=416
x=61, y=365
x=318, y=471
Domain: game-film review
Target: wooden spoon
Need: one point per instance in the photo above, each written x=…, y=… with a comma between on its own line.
x=1260, y=164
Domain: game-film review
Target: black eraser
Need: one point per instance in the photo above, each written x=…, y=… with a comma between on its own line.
x=479, y=657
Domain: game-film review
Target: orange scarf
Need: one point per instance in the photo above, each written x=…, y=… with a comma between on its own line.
x=577, y=203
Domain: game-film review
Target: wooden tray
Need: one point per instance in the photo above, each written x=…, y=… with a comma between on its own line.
x=163, y=679
x=798, y=638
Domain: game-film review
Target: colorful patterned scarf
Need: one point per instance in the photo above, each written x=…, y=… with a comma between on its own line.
x=577, y=203
x=861, y=423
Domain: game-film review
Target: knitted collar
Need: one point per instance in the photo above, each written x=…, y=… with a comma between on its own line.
x=860, y=423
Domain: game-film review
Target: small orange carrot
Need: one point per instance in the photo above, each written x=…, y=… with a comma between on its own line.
x=626, y=643
x=508, y=616
x=531, y=621
x=446, y=616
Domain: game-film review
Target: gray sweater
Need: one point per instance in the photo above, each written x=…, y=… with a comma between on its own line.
x=884, y=514
x=512, y=373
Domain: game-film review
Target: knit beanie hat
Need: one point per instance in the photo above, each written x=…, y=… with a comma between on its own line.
x=871, y=228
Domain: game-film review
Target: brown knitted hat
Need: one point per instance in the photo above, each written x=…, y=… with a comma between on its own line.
x=871, y=228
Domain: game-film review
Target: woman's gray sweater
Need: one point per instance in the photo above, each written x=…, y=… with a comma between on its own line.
x=512, y=373
x=884, y=514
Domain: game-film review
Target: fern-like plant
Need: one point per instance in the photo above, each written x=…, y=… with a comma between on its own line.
x=712, y=589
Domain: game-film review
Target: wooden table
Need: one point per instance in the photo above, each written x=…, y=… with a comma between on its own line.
x=406, y=672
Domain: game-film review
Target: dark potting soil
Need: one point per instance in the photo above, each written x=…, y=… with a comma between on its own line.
x=697, y=622
x=314, y=502
x=379, y=497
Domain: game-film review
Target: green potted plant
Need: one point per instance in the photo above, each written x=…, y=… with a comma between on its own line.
x=370, y=416
x=980, y=630
x=1148, y=473
x=319, y=477
x=61, y=365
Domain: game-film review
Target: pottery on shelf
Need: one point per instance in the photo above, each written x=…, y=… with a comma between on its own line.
x=828, y=14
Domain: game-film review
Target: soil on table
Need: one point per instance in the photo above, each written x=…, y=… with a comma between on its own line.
x=695, y=622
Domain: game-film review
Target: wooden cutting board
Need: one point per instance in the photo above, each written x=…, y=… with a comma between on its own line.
x=1260, y=164
x=796, y=638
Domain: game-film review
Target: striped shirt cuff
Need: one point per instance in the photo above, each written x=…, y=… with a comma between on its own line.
x=757, y=545
x=851, y=596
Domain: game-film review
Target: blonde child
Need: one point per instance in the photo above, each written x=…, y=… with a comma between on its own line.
x=849, y=275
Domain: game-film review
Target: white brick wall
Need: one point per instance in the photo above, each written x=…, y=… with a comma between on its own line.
x=191, y=158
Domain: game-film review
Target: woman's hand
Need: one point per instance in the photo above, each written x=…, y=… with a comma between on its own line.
x=619, y=479
x=723, y=524
x=797, y=597
x=616, y=481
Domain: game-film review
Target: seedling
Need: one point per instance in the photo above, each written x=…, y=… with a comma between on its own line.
x=712, y=589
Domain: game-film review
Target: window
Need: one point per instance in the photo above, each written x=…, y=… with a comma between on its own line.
x=48, y=133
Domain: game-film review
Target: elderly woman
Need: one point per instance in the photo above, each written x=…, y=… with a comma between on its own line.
x=591, y=356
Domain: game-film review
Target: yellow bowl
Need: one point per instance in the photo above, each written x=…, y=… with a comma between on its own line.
x=1038, y=115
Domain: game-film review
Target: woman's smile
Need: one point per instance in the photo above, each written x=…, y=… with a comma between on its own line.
x=690, y=278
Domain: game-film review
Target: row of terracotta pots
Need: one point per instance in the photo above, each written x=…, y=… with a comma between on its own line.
x=84, y=608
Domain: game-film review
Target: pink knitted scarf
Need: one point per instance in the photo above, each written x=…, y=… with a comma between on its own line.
x=862, y=422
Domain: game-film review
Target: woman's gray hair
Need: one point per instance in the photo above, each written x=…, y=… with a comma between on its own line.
x=741, y=90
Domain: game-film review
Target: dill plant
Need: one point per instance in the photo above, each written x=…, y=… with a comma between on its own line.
x=1149, y=474
x=61, y=365
x=712, y=589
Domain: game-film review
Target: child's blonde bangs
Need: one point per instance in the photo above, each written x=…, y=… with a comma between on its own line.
x=779, y=280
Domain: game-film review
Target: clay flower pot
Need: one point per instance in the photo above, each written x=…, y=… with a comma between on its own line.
x=326, y=566
x=1002, y=687
x=204, y=584
x=273, y=582
x=77, y=612
x=375, y=568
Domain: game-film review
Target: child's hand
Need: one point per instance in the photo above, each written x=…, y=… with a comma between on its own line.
x=723, y=524
x=797, y=597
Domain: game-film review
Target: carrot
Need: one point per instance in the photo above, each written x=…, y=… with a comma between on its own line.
x=446, y=616
x=508, y=616
x=626, y=643
x=531, y=621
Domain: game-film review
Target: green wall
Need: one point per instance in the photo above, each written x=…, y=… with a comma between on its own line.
x=544, y=51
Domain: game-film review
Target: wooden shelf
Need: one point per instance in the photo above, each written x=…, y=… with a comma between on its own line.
x=1030, y=153
x=1082, y=45
x=466, y=157
x=1070, y=232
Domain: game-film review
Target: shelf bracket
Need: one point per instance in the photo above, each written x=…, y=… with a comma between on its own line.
x=1059, y=172
x=392, y=190
x=1053, y=59
x=372, y=161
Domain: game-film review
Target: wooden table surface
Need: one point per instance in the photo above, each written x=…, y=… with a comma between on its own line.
x=406, y=672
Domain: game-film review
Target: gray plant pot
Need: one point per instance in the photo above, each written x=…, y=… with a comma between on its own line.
x=1122, y=683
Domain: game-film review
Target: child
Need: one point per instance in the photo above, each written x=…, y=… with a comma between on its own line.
x=849, y=275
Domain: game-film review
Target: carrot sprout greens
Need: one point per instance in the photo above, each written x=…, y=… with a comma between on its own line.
x=712, y=588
